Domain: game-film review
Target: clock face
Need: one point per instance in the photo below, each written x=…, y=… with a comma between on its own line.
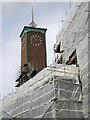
x=35, y=40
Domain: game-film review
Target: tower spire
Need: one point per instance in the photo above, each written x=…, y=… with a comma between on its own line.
x=32, y=15
x=32, y=24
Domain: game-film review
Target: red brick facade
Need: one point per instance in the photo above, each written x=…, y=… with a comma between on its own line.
x=36, y=55
x=33, y=49
x=23, y=50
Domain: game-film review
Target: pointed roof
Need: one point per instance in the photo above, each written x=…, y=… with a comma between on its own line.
x=32, y=24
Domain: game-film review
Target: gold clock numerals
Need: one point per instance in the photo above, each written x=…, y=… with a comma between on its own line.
x=35, y=40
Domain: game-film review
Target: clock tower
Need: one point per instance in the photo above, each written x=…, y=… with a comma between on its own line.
x=33, y=47
x=33, y=51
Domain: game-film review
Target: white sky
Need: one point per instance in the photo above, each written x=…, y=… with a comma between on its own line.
x=15, y=15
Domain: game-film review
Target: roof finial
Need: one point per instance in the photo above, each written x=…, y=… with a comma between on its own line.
x=32, y=24
x=32, y=16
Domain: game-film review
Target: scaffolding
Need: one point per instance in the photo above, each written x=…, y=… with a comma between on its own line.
x=52, y=92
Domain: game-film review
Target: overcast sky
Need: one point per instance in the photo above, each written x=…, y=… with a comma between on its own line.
x=14, y=17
